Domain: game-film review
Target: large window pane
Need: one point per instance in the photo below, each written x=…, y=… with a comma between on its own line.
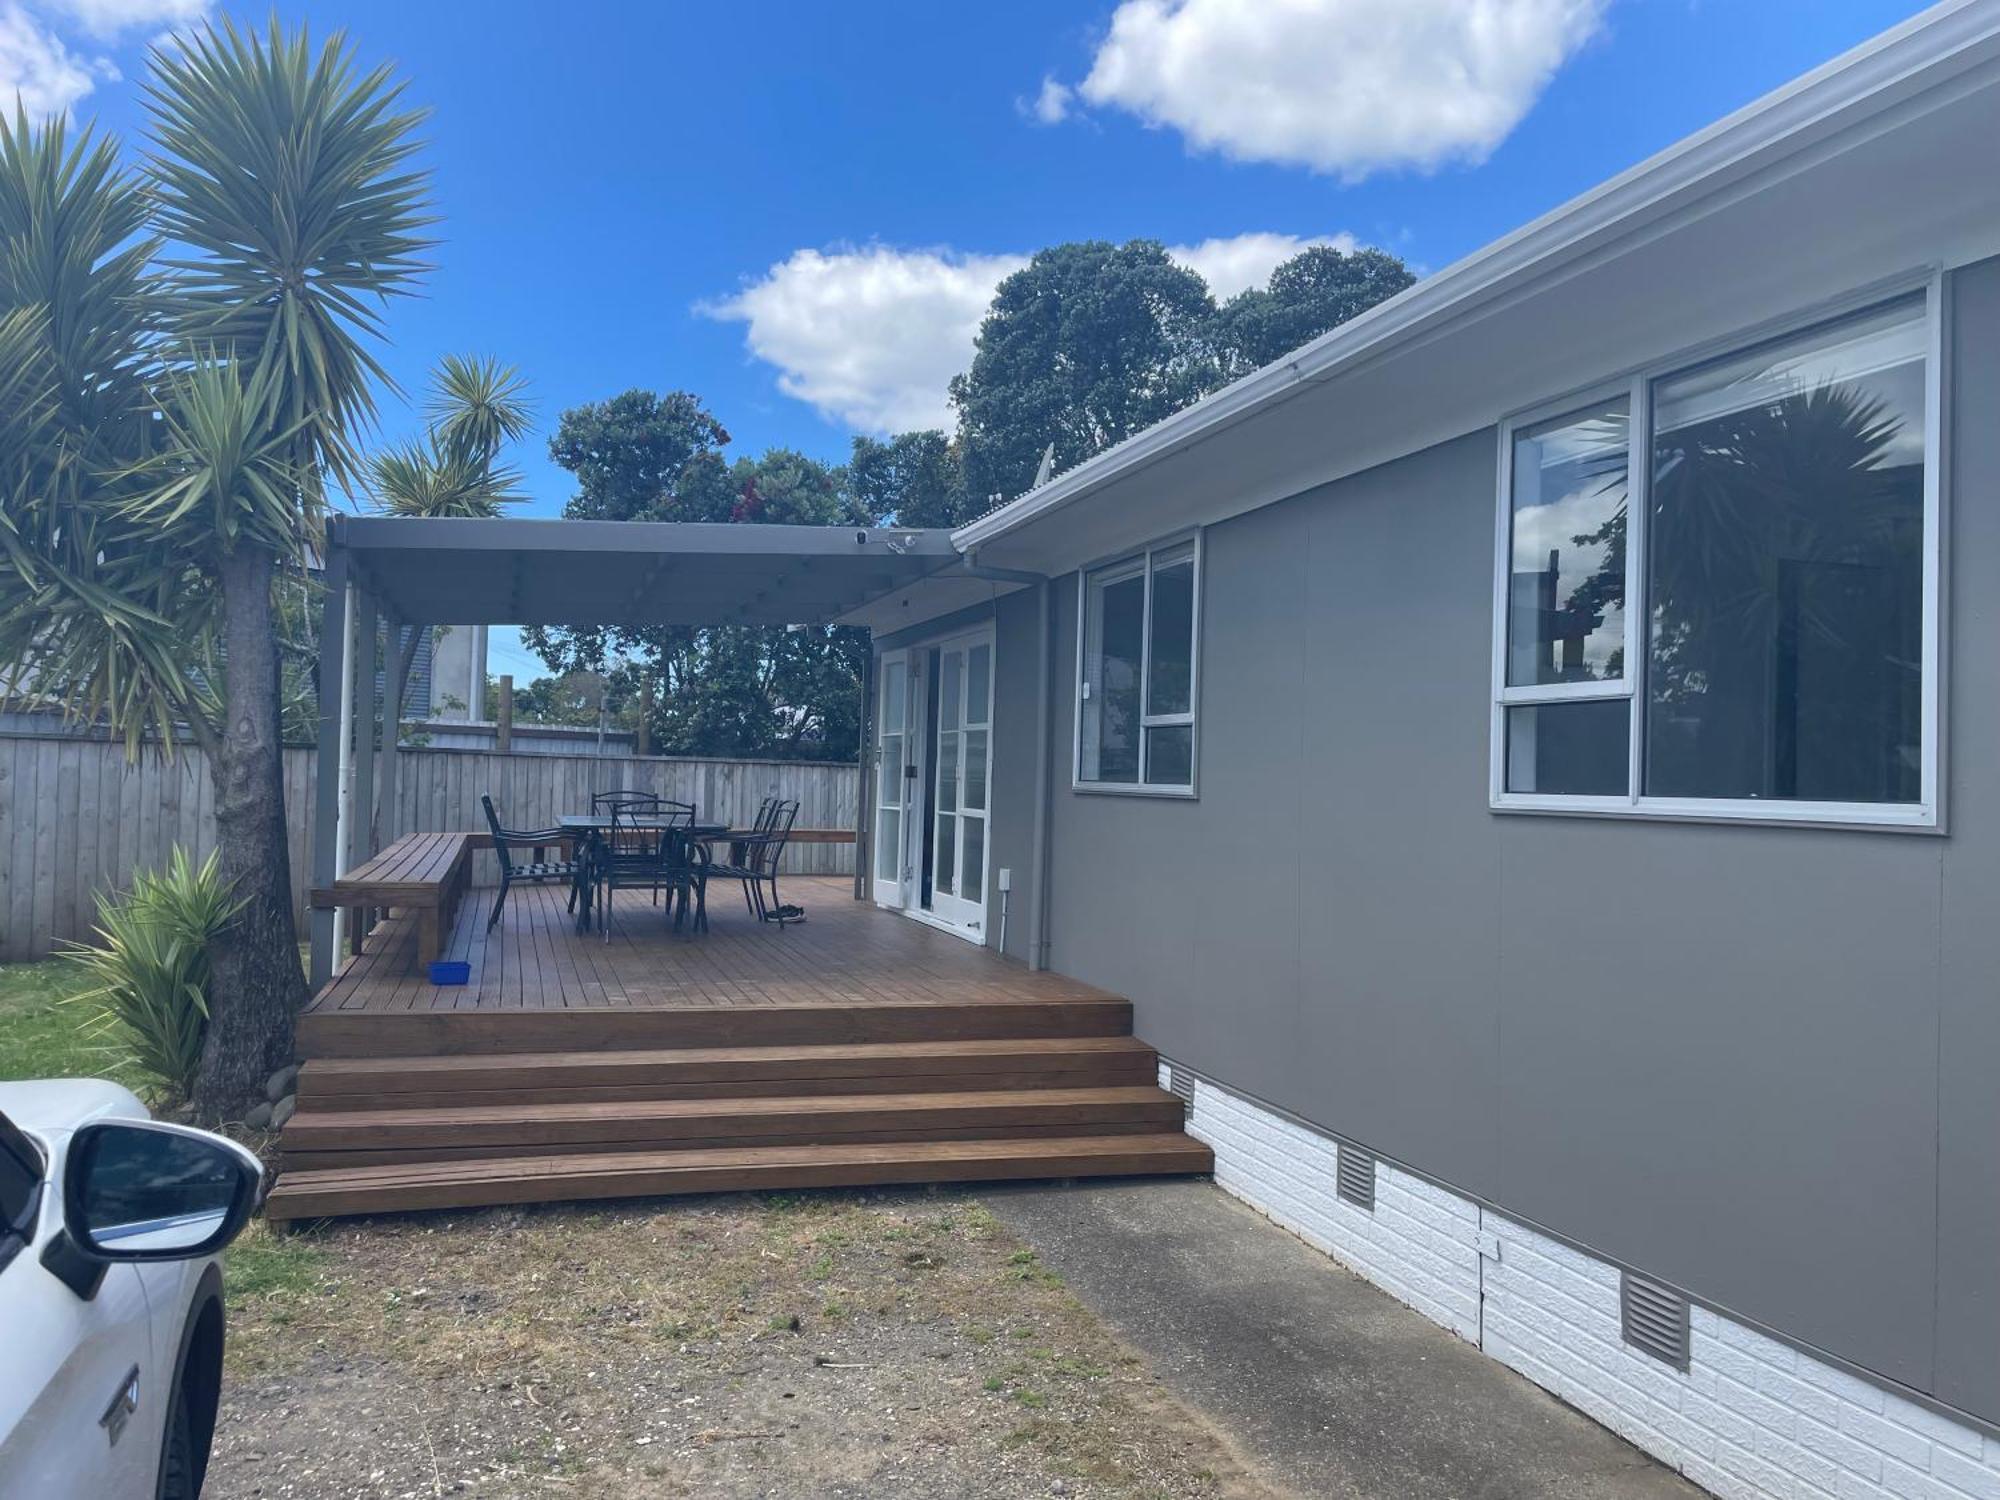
x=1785, y=569
x=1566, y=583
x=1577, y=749
x=1170, y=675
x=1114, y=626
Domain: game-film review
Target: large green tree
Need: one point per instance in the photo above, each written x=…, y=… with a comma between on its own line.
x=1082, y=347
x=168, y=424
x=722, y=690
x=911, y=479
x=1316, y=290
x=1089, y=343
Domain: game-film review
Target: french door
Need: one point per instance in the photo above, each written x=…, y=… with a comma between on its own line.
x=895, y=779
x=960, y=746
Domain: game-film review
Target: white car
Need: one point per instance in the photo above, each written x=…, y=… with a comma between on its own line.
x=111, y=1228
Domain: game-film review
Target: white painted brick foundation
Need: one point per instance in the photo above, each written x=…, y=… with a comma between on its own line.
x=1751, y=1419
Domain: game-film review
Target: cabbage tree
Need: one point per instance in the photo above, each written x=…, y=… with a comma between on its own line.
x=185, y=357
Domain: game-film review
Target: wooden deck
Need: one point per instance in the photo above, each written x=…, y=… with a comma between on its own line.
x=856, y=1047
x=846, y=953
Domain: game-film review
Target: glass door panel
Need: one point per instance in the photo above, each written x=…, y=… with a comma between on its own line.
x=961, y=744
x=892, y=781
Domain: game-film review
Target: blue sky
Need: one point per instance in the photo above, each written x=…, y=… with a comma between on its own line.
x=795, y=210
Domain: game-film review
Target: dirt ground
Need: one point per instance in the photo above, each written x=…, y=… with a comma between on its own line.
x=884, y=1345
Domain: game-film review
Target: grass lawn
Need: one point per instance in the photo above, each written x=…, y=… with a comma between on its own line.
x=43, y=1037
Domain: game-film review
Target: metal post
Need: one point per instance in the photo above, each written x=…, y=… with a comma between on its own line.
x=326, y=776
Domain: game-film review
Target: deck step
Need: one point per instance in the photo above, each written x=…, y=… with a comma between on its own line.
x=378, y=1137
x=327, y=1084
x=545, y=1179
x=486, y=1032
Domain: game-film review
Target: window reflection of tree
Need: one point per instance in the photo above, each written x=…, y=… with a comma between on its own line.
x=1603, y=588
x=1563, y=628
x=1785, y=563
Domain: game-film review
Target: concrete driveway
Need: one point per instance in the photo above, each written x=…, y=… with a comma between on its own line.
x=1330, y=1387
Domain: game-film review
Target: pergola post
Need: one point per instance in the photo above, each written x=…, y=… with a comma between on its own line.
x=361, y=834
x=326, y=774
x=392, y=730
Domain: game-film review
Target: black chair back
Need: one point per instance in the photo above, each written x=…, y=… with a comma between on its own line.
x=769, y=849
x=499, y=834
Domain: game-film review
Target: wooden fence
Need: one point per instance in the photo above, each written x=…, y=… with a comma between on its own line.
x=77, y=817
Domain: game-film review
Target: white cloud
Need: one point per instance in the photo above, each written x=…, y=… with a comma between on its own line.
x=1236, y=264
x=871, y=335
x=37, y=69
x=1051, y=105
x=108, y=19
x=45, y=68
x=1341, y=86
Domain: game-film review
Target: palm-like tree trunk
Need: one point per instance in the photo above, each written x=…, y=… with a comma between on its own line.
x=257, y=986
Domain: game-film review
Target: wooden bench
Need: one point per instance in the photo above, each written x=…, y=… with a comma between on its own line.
x=424, y=874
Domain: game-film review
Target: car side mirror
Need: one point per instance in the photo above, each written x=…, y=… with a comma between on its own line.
x=137, y=1191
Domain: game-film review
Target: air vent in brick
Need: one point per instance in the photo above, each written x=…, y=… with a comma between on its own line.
x=1654, y=1318
x=1180, y=1083
x=1357, y=1177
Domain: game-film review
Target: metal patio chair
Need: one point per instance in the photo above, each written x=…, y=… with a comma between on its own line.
x=534, y=871
x=637, y=805
x=651, y=855
x=754, y=861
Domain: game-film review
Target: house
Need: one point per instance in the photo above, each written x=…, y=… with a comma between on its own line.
x=1529, y=757
x=1527, y=760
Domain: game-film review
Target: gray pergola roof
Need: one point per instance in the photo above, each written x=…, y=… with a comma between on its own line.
x=521, y=572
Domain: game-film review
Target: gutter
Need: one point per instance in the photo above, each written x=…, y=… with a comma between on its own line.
x=1863, y=82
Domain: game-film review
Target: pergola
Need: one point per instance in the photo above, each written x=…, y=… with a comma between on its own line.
x=401, y=572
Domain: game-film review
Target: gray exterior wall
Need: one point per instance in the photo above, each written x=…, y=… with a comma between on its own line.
x=1758, y=1062
x=1016, y=750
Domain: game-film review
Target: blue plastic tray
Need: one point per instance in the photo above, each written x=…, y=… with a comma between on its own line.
x=451, y=971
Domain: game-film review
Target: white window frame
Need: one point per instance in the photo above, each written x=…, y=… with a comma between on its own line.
x=1142, y=562
x=1926, y=815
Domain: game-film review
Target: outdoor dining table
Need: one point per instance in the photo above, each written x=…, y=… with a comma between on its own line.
x=583, y=827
